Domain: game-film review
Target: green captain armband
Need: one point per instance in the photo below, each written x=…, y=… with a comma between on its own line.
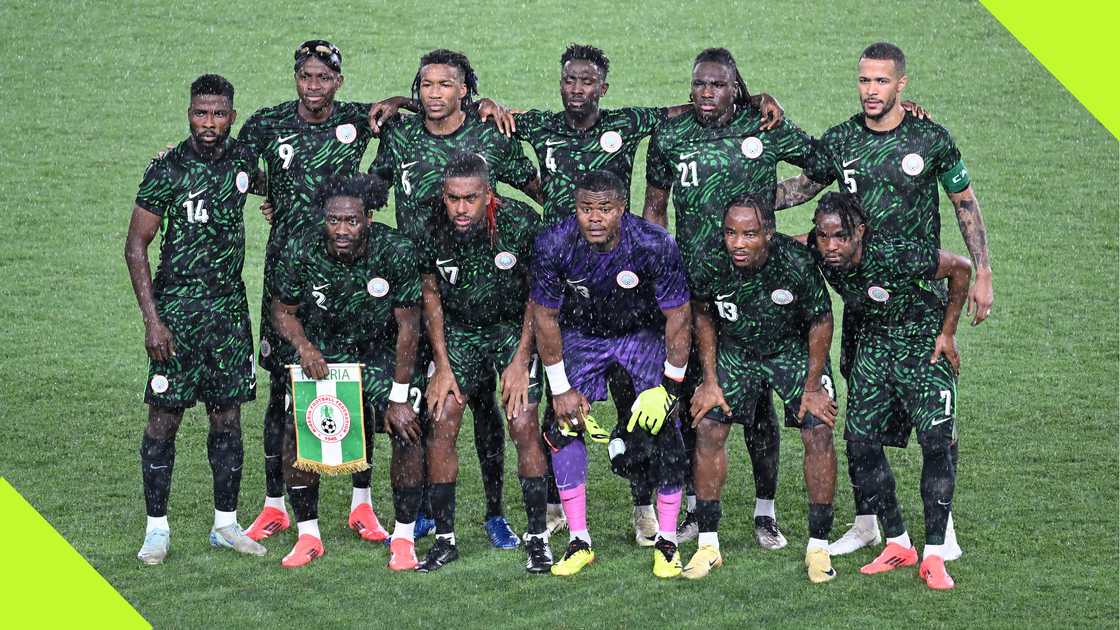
x=956, y=179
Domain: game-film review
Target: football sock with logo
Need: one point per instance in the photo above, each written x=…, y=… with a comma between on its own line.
x=533, y=493
x=443, y=506
x=938, y=481
x=157, y=459
x=820, y=520
x=489, y=444
x=764, y=447
x=274, y=418
x=869, y=469
x=305, y=501
x=226, y=454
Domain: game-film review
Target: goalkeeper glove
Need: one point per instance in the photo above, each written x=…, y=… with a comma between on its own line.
x=591, y=428
x=653, y=406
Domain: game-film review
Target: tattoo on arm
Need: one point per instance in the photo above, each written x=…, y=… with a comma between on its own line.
x=795, y=191
x=973, y=230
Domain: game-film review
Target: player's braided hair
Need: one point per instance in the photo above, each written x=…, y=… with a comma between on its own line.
x=473, y=165
x=884, y=51
x=580, y=52
x=758, y=202
x=846, y=207
x=602, y=181
x=723, y=57
x=451, y=58
x=371, y=189
x=212, y=84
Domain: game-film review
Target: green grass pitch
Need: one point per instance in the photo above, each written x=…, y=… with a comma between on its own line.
x=93, y=89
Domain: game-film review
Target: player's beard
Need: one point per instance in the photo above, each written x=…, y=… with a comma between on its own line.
x=357, y=247
x=468, y=234
x=888, y=105
x=209, y=151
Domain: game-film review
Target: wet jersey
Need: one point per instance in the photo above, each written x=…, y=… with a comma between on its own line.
x=765, y=312
x=609, y=294
x=201, y=202
x=413, y=159
x=482, y=281
x=707, y=167
x=565, y=153
x=894, y=173
x=893, y=286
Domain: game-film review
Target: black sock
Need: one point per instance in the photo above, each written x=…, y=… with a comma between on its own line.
x=707, y=515
x=764, y=448
x=688, y=434
x=362, y=478
x=305, y=502
x=641, y=491
x=157, y=459
x=226, y=454
x=869, y=469
x=534, y=494
x=406, y=503
x=550, y=476
x=443, y=507
x=489, y=444
x=938, y=481
x=275, y=417
x=820, y=520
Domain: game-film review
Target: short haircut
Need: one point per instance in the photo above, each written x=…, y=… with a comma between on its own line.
x=758, y=202
x=212, y=84
x=602, y=181
x=467, y=165
x=370, y=189
x=724, y=57
x=579, y=52
x=844, y=206
x=443, y=56
x=886, y=51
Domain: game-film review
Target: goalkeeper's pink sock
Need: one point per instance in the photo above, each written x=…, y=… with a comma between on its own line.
x=574, y=500
x=668, y=509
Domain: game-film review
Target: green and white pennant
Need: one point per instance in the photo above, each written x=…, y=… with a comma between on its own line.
x=330, y=427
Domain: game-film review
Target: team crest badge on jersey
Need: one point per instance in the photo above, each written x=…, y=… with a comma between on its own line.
x=266, y=348
x=913, y=164
x=611, y=141
x=627, y=279
x=159, y=383
x=752, y=148
x=328, y=419
x=505, y=260
x=346, y=133
x=879, y=294
x=242, y=182
x=781, y=297
x=378, y=287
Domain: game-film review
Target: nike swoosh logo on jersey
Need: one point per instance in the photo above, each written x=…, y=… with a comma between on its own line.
x=850, y=162
x=443, y=262
x=552, y=143
x=320, y=287
x=941, y=421
x=404, y=165
x=285, y=139
x=685, y=156
x=944, y=503
x=195, y=194
x=725, y=296
x=575, y=281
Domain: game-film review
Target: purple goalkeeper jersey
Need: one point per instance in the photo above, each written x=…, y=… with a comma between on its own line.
x=608, y=294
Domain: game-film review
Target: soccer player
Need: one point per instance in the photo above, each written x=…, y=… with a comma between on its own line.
x=349, y=293
x=412, y=154
x=196, y=317
x=894, y=162
x=904, y=373
x=584, y=137
x=720, y=150
x=302, y=143
x=609, y=291
x=774, y=332
x=475, y=275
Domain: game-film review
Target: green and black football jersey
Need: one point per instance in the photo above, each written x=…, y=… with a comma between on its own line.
x=413, y=159
x=893, y=286
x=483, y=281
x=345, y=307
x=894, y=173
x=299, y=156
x=766, y=312
x=202, y=202
x=707, y=167
x=564, y=152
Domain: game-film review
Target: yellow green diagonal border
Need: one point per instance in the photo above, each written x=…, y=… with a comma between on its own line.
x=1076, y=42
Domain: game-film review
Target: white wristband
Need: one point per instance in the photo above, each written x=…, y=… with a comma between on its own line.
x=398, y=393
x=557, y=378
x=674, y=372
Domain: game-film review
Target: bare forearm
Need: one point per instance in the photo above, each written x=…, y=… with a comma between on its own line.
x=677, y=324
x=975, y=234
x=656, y=208
x=705, y=340
x=677, y=110
x=408, y=338
x=136, y=257
x=525, y=346
x=795, y=191
x=547, y=327
x=532, y=188
x=288, y=325
x=820, y=339
x=959, y=278
x=433, y=322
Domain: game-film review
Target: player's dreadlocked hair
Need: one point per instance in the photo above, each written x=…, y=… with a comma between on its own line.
x=844, y=206
x=473, y=165
x=723, y=57
x=602, y=181
x=371, y=189
x=758, y=202
x=579, y=52
x=212, y=84
x=451, y=58
x=883, y=51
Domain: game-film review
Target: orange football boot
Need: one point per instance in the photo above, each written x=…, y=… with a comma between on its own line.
x=892, y=557
x=307, y=548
